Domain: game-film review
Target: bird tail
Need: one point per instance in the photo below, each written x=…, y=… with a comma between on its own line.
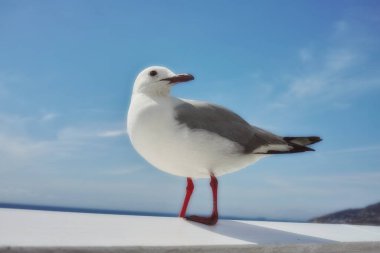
x=294, y=145
x=300, y=144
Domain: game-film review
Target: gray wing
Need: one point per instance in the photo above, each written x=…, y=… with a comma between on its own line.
x=225, y=123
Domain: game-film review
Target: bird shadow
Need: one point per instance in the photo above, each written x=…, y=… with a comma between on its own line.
x=257, y=234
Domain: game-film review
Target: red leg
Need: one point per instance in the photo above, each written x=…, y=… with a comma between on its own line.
x=189, y=191
x=213, y=219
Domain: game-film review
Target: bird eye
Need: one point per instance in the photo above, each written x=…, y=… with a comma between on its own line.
x=153, y=73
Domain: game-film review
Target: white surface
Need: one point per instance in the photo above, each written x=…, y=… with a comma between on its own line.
x=335, y=232
x=46, y=228
x=175, y=148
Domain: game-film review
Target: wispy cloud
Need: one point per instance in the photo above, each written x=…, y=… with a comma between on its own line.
x=130, y=168
x=112, y=133
x=44, y=140
x=331, y=78
x=49, y=116
x=355, y=150
x=20, y=146
x=331, y=73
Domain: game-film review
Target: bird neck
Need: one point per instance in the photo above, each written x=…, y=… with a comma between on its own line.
x=158, y=92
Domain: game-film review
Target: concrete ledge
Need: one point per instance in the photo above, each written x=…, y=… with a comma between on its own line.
x=62, y=232
x=367, y=247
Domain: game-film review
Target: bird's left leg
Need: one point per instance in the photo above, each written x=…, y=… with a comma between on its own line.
x=213, y=219
x=189, y=191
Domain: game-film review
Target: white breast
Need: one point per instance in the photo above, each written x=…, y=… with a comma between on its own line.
x=176, y=149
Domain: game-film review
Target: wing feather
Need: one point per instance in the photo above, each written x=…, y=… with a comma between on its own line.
x=221, y=121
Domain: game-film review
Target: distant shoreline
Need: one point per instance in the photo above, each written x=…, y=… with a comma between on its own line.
x=119, y=212
x=82, y=210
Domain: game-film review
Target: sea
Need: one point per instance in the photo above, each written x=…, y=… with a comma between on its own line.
x=120, y=212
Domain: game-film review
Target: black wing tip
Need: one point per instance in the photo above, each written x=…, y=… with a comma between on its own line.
x=299, y=148
x=315, y=139
x=310, y=140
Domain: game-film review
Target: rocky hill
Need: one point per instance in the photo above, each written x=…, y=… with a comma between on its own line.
x=369, y=215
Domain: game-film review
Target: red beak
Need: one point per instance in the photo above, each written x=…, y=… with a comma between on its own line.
x=179, y=78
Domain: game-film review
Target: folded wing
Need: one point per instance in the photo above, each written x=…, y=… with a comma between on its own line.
x=225, y=123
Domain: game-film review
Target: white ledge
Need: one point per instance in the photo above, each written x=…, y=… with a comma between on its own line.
x=48, y=231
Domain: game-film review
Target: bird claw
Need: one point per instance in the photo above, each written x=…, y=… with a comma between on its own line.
x=212, y=220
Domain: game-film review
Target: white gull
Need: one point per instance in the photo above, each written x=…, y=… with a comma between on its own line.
x=196, y=139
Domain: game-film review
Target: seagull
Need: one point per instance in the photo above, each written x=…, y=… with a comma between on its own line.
x=196, y=139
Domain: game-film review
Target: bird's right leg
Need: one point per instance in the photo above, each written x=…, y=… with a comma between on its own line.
x=189, y=191
x=213, y=219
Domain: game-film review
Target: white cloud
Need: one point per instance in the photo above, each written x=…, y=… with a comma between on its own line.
x=329, y=79
x=21, y=147
x=70, y=133
x=112, y=133
x=49, y=116
x=333, y=77
x=340, y=60
x=89, y=131
x=307, y=86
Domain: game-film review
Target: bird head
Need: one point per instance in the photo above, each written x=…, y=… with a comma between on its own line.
x=158, y=80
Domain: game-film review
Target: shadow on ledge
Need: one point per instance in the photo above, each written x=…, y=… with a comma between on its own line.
x=259, y=235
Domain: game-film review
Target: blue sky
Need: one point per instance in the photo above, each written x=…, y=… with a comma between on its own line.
x=292, y=67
